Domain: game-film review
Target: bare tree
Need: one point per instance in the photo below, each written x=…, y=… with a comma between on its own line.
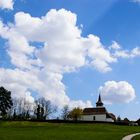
x=21, y=109
x=65, y=112
x=44, y=108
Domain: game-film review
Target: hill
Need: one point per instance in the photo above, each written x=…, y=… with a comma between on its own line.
x=55, y=131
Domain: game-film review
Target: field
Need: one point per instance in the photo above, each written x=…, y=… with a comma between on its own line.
x=53, y=131
x=137, y=137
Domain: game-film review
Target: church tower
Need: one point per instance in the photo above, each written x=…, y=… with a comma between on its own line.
x=99, y=103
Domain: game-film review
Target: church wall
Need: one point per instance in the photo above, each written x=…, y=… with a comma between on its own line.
x=101, y=117
x=109, y=120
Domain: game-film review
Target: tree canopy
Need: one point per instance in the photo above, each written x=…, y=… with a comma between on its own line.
x=5, y=101
x=76, y=113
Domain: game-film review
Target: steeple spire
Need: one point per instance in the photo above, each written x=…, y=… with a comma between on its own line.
x=99, y=103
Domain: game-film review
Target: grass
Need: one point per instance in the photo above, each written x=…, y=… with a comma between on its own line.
x=54, y=131
x=136, y=137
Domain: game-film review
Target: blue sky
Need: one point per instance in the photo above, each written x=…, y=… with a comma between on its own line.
x=112, y=21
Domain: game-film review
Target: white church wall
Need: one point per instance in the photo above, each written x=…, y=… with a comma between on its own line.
x=109, y=120
x=100, y=117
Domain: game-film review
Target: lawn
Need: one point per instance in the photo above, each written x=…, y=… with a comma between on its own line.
x=53, y=131
x=136, y=137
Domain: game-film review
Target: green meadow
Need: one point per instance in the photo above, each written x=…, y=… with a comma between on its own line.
x=136, y=138
x=54, y=131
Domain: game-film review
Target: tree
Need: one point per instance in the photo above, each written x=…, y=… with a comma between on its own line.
x=44, y=108
x=27, y=116
x=22, y=108
x=126, y=120
x=65, y=112
x=39, y=112
x=76, y=113
x=118, y=119
x=14, y=115
x=5, y=101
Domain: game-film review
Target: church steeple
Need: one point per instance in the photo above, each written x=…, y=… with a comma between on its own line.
x=99, y=103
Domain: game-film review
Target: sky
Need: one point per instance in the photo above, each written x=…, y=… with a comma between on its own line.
x=70, y=51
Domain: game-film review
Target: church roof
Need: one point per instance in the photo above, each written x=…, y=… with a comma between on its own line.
x=98, y=111
x=110, y=115
x=94, y=111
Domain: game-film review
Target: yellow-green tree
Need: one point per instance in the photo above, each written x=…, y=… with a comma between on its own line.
x=76, y=113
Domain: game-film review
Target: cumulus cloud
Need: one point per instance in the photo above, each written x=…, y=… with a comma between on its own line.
x=127, y=54
x=63, y=50
x=115, y=46
x=119, y=52
x=117, y=92
x=6, y=4
x=100, y=57
x=47, y=65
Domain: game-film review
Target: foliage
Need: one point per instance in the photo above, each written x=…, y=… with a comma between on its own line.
x=40, y=113
x=5, y=101
x=76, y=113
x=118, y=119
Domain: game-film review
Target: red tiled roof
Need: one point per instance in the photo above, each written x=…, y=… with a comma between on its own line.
x=110, y=115
x=94, y=111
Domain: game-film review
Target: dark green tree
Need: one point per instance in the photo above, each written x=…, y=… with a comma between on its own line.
x=118, y=119
x=38, y=111
x=5, y=101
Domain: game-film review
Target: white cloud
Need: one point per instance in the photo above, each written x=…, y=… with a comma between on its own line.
x=65, y=46
x=6, y=4
x=119, y=52
x=80, y=104
x=64, y=50
x=101, y=57
x=117, y=92
x=127, y=54
x=122, y=54
x=115, y=46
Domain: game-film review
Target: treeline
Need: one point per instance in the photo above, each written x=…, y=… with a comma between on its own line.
x=41, y=109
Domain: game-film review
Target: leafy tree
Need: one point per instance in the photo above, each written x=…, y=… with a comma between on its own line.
x=65, y=112
x=38, y=110
x=126, y=120
x=5, y=101
x=118, y=119
x=76, y=113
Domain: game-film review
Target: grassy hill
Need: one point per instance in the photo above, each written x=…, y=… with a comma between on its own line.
x=54, y=131
x=137, y=137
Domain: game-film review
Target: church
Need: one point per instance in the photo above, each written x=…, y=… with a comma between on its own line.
x=99, y=113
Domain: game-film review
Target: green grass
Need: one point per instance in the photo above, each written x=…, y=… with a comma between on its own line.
x=51, y=131
x=136, y=137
